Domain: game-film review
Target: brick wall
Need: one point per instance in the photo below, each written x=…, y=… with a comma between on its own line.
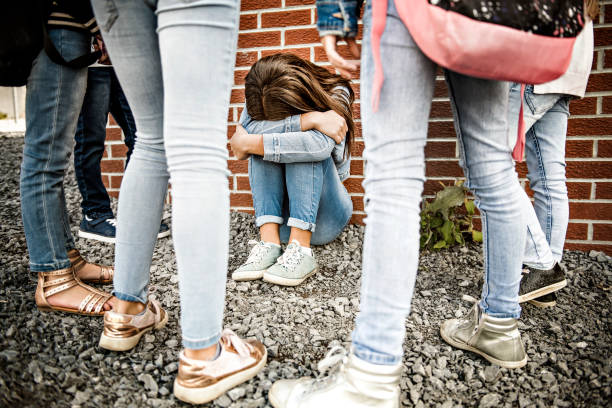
x=271, y=26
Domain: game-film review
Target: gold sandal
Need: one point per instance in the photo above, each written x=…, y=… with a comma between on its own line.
x=64, y=279
x=105, y=275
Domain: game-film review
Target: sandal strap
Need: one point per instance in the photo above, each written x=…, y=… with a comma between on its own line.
x=106, y=272
x=57, y=281
x=59, y=272
x=85, y=301
x=78, y=263
x=101, y=303
x=60, y=288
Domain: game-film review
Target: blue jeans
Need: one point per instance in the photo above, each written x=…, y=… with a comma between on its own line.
x=175, y=61
x=103, y=95
x=545, y=117
x=395, y=138
x=54, y=97
x=302, y=195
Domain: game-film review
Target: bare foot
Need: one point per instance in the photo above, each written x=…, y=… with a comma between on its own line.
x=71, y=298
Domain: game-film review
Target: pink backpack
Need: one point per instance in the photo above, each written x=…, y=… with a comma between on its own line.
x=524, y=41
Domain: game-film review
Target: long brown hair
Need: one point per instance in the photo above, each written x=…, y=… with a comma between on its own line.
x=283, y=85
x=591, y=8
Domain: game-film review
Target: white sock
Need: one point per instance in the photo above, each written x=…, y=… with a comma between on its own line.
x=306, y=250
x=271, y=244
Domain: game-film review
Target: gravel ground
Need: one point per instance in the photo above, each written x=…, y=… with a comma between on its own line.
x=53, y=360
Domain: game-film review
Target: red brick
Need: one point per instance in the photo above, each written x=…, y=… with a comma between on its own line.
x=247, y=5
x=230, y=181
x=285, y=18
x=577, y=231
x=357, y=203
x=440, y=89
x=230, y=114
x=589, y=169
x=441, y=129
x=238, y=166
x=241, y=200
x=301, y=36
x=445, y=168
x=111, y=166
x=603, y=36
x=303, y=53
x=114, y=194
x=441, y=110
x=248, y=21
x=589, y=127
x=231, y=129
x=106, y=181
x=579, y=191
x=242, y=183
x=440, y=149
x=115, y=181
x=262, y=39
x=111, y=121
x=298, y=2
x=586, y=247
x=357, y=149
x=358, y=219
x=600, y=82
x=118, y=150
x=579, y=148
x=521, y=169
x=237, y=96
x=607, y=13
x=585, y=106
x=105, y=153
x=431, y=187
x=607, y=63
x=602, y=232
x=356, y=111
x=353, y=185
x=343, y=50
x=590, y=211
x=603, y=190
x=604, y=148
x=113, y=134
x=357, y=167
x=246, y=58
x=239, y=76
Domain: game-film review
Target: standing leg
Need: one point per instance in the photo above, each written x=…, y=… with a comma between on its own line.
x=120, y=109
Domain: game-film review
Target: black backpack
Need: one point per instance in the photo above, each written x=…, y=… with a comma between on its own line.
x=23, y=34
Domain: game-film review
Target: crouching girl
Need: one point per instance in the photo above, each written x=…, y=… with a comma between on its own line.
x=296, y=132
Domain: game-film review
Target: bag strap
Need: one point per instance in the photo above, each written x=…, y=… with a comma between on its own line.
x=54, y=55
x=379, y=18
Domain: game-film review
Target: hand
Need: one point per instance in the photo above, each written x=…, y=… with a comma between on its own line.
x=99, y=46
x=329, y=123
x=345, y=68
x=240, y=143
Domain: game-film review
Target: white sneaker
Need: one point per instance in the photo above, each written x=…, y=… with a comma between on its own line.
x=351, y=382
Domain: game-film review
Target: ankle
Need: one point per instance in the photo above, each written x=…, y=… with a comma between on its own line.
x=205, y=354
x=131, y=308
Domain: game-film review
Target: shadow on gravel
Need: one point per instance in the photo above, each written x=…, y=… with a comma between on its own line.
x=52, y=360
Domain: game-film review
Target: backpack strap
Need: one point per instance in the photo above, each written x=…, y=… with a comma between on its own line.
x=379, y=20
x=519, y=147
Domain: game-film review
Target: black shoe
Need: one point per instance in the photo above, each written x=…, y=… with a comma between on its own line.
x=536, y=283
x=549, y=300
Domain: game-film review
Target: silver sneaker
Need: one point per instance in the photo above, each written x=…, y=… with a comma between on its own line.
x=263, y=255
x=496, y=339
x=351, y=382
x=292, y=268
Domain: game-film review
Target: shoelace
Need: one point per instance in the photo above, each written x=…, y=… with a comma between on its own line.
x=292, y=256
x=476, y=308
x=243, y=348
x=258, y=251
x=111, y=221
x=329, y=367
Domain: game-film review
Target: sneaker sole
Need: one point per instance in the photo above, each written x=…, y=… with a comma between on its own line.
x=207, y=394
x=463, y=346
x=543, y=305
x=96, y=237
x=128, y=343
x=543, y=291
x=279, y=280
x=248, y=275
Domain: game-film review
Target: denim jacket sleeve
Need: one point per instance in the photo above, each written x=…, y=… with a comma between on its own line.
x=338, y=17
x=285, y=142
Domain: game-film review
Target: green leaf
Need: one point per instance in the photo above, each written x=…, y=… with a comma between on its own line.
x=439, y=244
x=437, y=221
x=476, y=236
x=459, y=238
x=470, y=206
x=451, y=196
x=447, y=232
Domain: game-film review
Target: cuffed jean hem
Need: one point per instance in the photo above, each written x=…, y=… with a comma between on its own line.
x=539, y=265
x=200, y=344
x=303, y=225
x=128, y=298
x=373, y=357
x=503, y=315
x=268, y=219
x=48, y=267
